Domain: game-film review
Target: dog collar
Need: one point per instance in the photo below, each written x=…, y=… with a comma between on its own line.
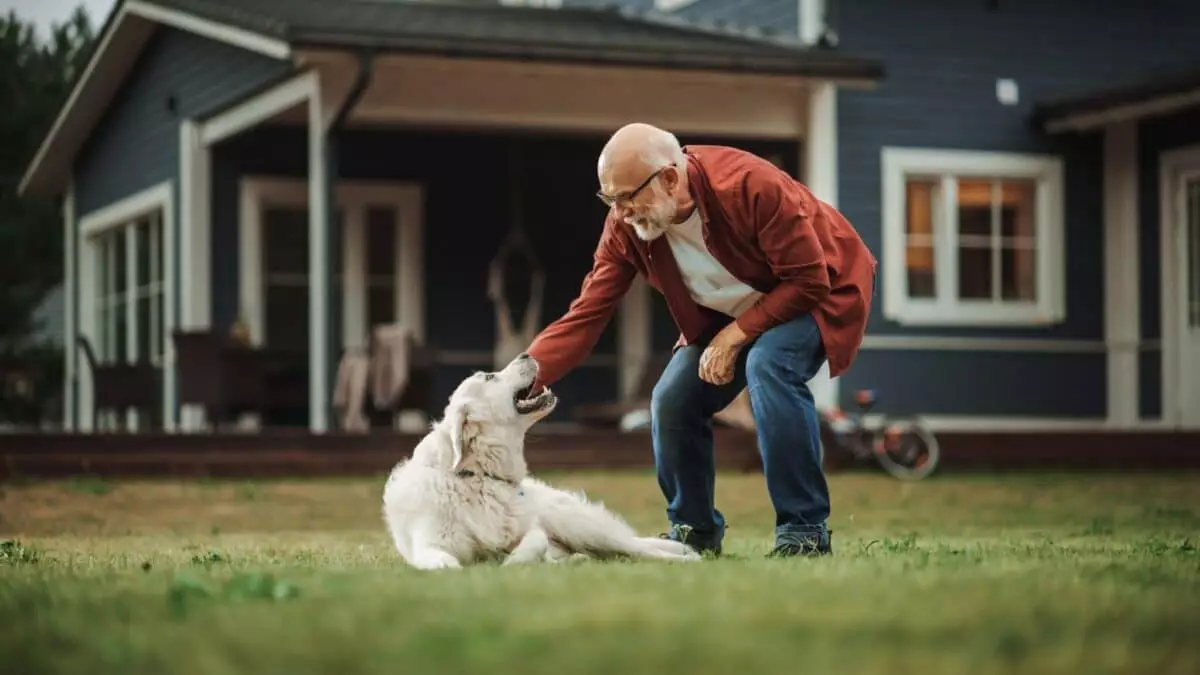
x=467, y=473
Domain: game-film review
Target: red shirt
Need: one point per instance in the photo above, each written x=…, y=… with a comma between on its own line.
x=767, y=229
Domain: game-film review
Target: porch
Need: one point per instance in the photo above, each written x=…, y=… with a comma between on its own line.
x=1150, y=132
x=375, y=189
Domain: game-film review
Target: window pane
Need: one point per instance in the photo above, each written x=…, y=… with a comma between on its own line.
x=287, y=317
x=285, y=241
x=1018, y=274
x=922, y=280
x=143, y=328
x=120, y=330
x=381, y=241
x=1017, y=198
x=156, y=325
x=974, y=208
x=381, y=305
x=974, y=273
x=142, y=230
x=119, y=271
x=102, y=339
x=156, y=239
x=919, y=197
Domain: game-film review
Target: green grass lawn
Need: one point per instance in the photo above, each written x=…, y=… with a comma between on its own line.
x=956, y=575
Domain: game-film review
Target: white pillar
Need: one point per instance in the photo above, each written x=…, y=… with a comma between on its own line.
x=194, y=260
x=319, y=273
x=70, y=289
x=354, y=273
x=1122, y=320
x=820, y=164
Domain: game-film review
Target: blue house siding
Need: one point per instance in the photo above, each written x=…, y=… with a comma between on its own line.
x=942, y=61
x=1156, y=135
x=136, y=144
x=973, y=383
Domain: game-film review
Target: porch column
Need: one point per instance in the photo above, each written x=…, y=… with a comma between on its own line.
x=819, y=158
x=70, y=325
x=1122, y=317
x=320, y=281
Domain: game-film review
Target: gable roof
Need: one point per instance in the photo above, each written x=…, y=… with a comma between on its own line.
x=605, y=36
x=489, y=29
x=1158, y=95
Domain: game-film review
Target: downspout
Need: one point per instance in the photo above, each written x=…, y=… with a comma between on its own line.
x=333, y=246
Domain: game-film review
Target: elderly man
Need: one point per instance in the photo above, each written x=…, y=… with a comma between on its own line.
x=764, y=281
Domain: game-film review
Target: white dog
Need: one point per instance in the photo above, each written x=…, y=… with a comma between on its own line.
x=465, y=496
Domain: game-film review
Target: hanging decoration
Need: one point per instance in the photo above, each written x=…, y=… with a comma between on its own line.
x=512, y=336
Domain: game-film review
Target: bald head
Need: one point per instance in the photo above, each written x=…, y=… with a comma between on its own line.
x=643, y=176
x=638, y=148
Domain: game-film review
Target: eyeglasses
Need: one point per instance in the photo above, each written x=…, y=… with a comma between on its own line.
x=627, y=198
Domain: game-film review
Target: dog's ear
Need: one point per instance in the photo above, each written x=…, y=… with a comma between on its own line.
x=456, y=419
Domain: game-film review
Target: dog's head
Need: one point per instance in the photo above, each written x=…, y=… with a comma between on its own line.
x=497, y=407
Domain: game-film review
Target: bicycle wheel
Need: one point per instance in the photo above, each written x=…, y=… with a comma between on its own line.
x=906, y=448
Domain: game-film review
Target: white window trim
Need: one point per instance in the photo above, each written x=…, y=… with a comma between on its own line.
x=353, y=197
x=157, y=199
x=1050, y=305
x=1171, y=165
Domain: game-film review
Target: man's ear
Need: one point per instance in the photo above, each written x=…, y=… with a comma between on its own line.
x=456, y=419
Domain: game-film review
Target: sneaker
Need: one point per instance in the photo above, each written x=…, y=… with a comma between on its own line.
x=683, y=533
x=811, y=548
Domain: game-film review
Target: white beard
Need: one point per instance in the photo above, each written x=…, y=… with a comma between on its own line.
x=647, y=231
x=655, y=223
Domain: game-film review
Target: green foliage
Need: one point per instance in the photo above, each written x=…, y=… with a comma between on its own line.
x=36, y=76
x=13, y=552
x=31, y=381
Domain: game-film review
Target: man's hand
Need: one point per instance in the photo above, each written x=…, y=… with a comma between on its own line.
x=719, y=359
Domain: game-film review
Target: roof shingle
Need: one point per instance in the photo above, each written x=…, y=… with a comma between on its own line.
x=589, y=34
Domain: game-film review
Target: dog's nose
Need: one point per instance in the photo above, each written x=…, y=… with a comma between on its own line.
x=524, y=356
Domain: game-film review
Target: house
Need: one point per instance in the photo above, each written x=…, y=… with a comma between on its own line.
x=1021, y=170
x=1027, y=174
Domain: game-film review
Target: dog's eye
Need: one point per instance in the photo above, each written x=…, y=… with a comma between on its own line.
x=489, y=377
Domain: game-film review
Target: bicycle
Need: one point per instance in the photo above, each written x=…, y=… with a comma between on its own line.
x=902, y=445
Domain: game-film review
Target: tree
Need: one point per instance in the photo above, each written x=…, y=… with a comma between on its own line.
x=36, y=77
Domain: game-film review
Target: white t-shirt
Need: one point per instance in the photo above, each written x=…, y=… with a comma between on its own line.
x=707, y=280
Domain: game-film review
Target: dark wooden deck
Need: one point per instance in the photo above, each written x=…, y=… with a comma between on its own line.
x=298, y=453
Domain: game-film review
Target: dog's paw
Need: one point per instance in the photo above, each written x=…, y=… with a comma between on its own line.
x=433, y=559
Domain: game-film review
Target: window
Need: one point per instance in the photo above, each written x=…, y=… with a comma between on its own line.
x=972, y=238
x=129, y=301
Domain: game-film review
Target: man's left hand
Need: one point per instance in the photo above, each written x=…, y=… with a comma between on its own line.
x=719, y=359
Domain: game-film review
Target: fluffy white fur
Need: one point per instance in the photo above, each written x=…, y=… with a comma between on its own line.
x=465, y=496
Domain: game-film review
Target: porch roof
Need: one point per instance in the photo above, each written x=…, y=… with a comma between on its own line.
x=283, y=29
x=594, y=35
x=1128, y=101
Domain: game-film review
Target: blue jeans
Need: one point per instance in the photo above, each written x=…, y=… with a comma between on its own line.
x=777, y=367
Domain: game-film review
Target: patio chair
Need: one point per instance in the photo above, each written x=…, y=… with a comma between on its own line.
x=119, y=387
